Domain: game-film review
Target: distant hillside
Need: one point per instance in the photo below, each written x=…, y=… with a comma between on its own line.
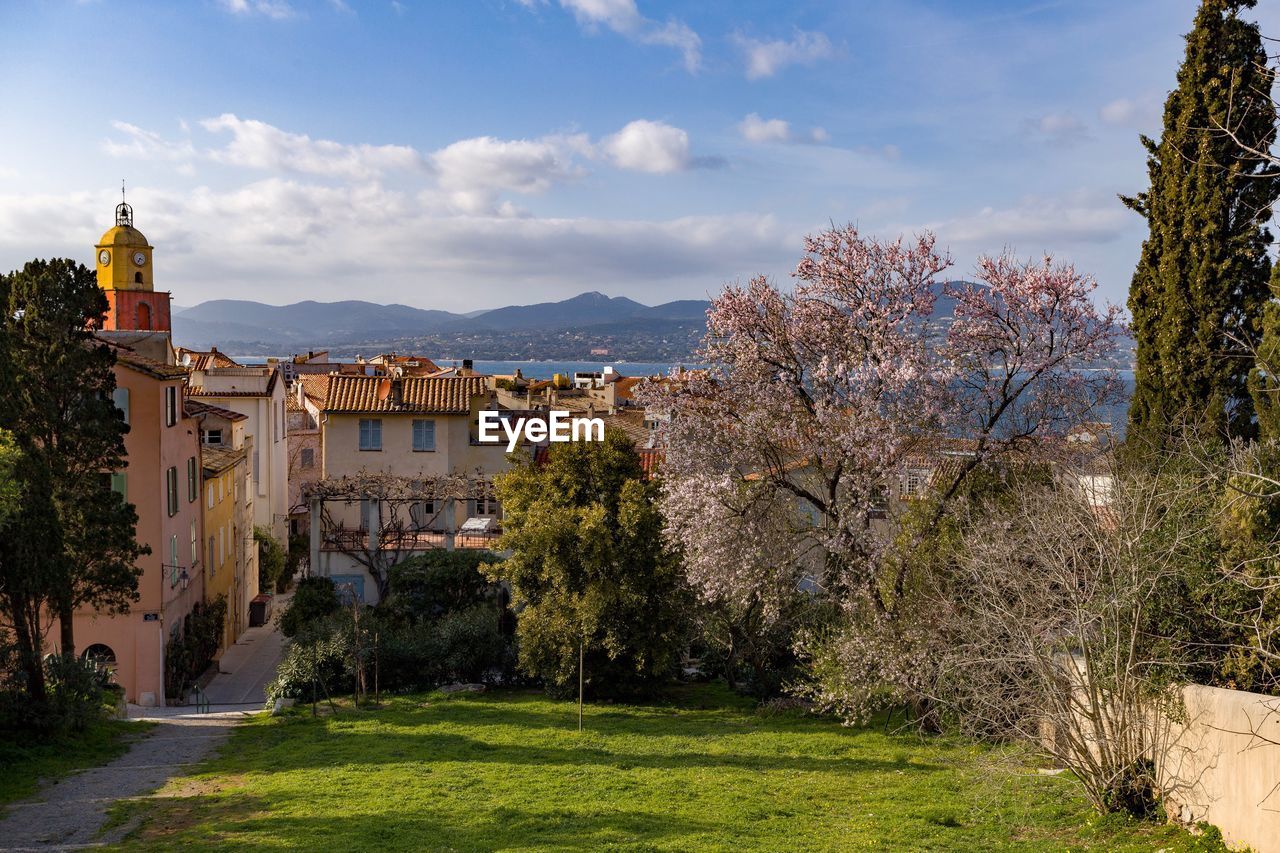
x=252, y=327
x=572, y=329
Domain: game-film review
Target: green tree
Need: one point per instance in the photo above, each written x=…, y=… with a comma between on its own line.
x=271, y=560
x=588, y=563
x=1201, y=281
x=1264, y=379
x=58, y=404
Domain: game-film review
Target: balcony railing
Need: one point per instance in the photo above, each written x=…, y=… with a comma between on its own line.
x=357, y=539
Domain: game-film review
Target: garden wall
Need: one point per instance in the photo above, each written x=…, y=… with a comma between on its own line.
x=1223, y=765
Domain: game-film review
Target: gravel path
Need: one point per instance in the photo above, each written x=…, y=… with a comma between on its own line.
x=68, y=814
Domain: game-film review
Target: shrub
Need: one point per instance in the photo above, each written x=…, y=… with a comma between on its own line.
x=78, y=692
x=439, y=582
x=464, y=645
x=315, y=665
x=313, y=600
x=467, y=645
x=190, y=653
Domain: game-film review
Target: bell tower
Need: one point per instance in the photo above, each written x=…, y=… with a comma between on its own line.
x=125, y=275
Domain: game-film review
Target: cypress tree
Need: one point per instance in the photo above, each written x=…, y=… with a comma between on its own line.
x=1201, y=282
x=1264, y=381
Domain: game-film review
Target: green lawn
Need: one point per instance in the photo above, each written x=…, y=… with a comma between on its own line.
x=509, y=770
x=24, y=762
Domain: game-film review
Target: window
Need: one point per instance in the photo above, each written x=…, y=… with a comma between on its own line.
x=170, y=405
x=120, y=483
x=424, y=435
x=915, y=481
x=173, y=556
x=222, y=545
x=211, y=436
x=210, y=491
x=213, y=564
x=171, y=490
x=308, y=458
x=193, y=482
x=486, y=506
x=120, y=397
x=255, y=467
x=137, y=278
x=195, y=544
x=221, y=491
x=421, y=513
x=370, y=433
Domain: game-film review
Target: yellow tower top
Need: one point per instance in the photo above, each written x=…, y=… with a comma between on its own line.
x=124, y=255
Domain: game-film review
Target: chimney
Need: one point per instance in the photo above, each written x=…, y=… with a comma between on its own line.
x=397, y=386
x=466, y=363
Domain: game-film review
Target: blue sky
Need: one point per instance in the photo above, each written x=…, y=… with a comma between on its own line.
x=472, y=154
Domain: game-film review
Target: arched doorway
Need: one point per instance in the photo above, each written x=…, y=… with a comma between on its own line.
x=101, y=654
x=144, y=317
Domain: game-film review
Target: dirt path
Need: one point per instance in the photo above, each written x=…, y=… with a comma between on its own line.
x=68, y=814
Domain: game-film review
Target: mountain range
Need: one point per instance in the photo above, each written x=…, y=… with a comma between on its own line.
x=579, y=328
x=244, y=325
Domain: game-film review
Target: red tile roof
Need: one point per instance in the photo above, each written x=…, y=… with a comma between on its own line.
x=316, y=387
x=202, y=360
x=440, y=395
x=149, y=366
x=650, y=462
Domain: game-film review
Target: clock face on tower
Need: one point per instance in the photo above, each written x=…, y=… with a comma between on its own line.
x=139, y=258
x=104, y=257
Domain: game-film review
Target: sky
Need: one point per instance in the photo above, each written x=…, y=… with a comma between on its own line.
x=469, y=154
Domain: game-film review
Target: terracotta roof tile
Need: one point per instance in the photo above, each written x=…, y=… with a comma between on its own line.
x=201, y=391
x=203, y=360
x=316, y=387
x=650, y=462
x=442, y=395
x=151, y=367
x=215, y=459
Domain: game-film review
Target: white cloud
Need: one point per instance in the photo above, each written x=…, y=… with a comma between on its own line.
x=756, y=129
x=474, y=171
x=767, y=58
x=1042, y=221
x=623, y=18
x=278, y=10
x=147, y=145
x=1060, y=129
x=649, y=146
x=259, y=145
x=1131, y=112
x=470, y=175
x=294, y=239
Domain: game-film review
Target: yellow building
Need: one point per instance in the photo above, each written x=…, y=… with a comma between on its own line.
x=231, y=557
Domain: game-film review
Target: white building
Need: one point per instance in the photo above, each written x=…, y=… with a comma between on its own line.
x=258, y=393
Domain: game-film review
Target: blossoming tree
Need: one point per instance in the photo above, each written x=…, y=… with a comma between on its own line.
x=782, y=456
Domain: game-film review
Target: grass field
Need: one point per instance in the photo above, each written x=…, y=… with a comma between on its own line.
x=25, y=762
x=509, y=770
